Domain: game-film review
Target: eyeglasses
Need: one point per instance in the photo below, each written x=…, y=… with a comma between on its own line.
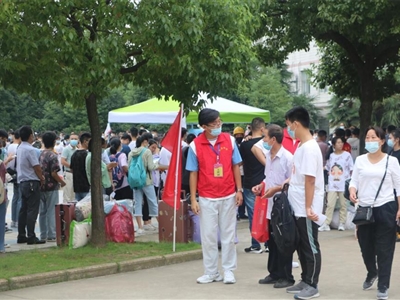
x=215, y=124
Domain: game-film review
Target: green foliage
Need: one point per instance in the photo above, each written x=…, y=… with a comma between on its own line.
x=391, y=110
x=343, y=111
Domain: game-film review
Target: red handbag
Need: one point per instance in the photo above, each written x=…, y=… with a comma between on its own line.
x=259, y=227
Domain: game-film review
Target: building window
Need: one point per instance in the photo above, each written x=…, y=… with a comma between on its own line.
x=305, y=82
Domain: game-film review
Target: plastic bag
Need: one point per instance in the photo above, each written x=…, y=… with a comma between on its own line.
x=80, y=233
x=108, y=205
x=83, y=208
x=128, y=203
x=259, y=228
x=119, y=225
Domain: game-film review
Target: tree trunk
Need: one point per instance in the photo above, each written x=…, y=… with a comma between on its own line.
x=98, y=229
x=367, y=99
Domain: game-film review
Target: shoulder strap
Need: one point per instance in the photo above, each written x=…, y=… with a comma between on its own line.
x=383, y=179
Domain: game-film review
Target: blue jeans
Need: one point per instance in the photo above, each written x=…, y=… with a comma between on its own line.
x=80, y=196
x=47, y=214
x=15, y=203
x=249, y=199
x=152, y=201
x=3, y=209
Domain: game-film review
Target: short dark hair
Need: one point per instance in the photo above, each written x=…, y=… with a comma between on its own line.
x=152, y=142
x=207, y=116
x=3, y=133
x=126, y=136
x=84, y=137
x=340, y=132
x=299, y=114
x=134, y=131
x=25, y=132
x=190, y=137
x=142, y=131
x=356, y=131
x=322, y=133
x=183, y=132
x=49, y=138
x=275, y=131
x=396, y=133
x=66, y=137
x=142, y=138
x=16, y=134
x=347, y=132
x=257, y=123
x=391, y=128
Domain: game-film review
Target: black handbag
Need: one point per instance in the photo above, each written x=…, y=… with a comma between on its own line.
x=365, y=214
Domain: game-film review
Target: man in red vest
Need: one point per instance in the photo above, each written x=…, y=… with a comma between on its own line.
x=213, y=161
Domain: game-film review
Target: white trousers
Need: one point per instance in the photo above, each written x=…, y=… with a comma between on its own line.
x=216, y=214
x=68, y=189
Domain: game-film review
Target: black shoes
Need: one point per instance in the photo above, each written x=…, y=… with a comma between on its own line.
x=36, y=241
x=268, y=280
x=22, y=240
x=283, y=283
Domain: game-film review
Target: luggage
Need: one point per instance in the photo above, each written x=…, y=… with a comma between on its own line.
x=65, y=213
x=165, y=223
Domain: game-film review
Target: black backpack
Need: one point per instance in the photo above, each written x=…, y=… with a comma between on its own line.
x=283, y=224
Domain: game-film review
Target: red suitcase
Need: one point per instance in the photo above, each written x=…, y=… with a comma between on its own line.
x=65, y=213
x=165, y=223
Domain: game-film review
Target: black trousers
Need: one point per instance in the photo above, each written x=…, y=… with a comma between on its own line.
x=30, y=202
x=377, y=242
x=279, y=266
x=309, y=251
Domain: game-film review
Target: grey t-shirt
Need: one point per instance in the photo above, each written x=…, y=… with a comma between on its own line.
x=27, y=158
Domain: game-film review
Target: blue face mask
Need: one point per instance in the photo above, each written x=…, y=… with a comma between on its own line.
x=390, y=143
x=216, y=131
x=267, y=146
x=372, y=147
x=73, y=143
x=291, y=132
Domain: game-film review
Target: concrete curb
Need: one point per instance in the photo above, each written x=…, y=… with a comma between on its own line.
x=98, y=270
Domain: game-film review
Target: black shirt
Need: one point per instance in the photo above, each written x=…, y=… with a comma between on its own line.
x=396, y=154
x=78, y=167
x=252, y=168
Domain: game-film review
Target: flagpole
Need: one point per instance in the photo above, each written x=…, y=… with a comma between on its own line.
x=176, y=178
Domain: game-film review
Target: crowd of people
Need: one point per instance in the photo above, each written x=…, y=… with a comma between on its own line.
x=223, y=173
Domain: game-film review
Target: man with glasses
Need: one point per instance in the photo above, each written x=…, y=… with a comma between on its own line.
x=213, y=161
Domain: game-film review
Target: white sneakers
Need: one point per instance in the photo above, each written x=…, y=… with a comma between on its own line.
x=229, y=278
x=324, y=227
x=209, y=278
x=140, y=231
x=149, y=227
x=341, y=227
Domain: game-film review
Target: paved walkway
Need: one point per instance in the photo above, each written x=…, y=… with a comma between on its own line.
x=341, y=277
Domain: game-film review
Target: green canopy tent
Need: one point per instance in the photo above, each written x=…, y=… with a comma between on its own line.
x=164, y=112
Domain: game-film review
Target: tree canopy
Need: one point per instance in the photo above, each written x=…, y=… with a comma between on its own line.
x=75, y=51
x=360, y=42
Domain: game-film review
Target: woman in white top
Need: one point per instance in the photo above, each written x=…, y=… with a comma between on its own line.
x=377, y=240
x=339, y=166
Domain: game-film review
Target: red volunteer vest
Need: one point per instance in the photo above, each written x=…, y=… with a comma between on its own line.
x=209, y=186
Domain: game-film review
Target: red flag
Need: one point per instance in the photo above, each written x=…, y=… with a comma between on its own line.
x=173, y=143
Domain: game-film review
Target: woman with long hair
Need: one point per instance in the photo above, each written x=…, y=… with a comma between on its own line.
x=375, y=176
x=121, y=187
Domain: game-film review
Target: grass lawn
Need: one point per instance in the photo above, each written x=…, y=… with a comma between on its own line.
x=54, y=259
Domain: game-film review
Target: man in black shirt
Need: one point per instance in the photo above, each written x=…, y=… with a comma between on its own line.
x=78, y=168
x=253, y=175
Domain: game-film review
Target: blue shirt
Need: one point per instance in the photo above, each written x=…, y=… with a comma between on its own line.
x=27, y=158
x=193, y=165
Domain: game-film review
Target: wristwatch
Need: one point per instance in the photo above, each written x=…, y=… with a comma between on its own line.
x=240, y=190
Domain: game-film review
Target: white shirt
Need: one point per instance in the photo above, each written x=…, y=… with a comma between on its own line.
x=260, y=144
x=132, y=145
x=165, y=158
x=339, y=167
x=12, y=149
x=276, y=172
x=307, y=160
x=367, y=177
